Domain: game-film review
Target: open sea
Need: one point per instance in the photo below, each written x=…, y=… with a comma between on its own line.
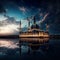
x=10, y=50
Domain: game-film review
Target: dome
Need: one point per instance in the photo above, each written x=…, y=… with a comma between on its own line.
x=35, y=26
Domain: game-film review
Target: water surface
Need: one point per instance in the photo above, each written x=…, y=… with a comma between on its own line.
x=9, y=50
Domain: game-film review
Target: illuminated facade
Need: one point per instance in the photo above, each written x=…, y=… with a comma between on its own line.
x=34, y=32
x=34, y=37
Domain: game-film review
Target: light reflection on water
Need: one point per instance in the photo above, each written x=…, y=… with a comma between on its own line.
x=8, y=46
x=11, y=47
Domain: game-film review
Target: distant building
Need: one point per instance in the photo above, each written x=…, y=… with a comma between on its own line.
x=34, y=31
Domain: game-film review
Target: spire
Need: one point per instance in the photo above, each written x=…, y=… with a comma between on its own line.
x=47, y=26
x=20, y=22
x=34, y=20
x=20, y=25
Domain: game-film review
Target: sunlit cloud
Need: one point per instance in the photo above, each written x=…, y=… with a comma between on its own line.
x=2, y=17
x=24, y=23
x=43, y=19
x=23, y=9
x=12, y=28
x=9, y=29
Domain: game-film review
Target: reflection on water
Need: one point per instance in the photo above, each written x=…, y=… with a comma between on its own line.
x=8, y=44
x=9, y=49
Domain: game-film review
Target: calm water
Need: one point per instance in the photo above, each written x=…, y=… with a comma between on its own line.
x=9, y=50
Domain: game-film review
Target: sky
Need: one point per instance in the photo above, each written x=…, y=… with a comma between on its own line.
x=45, y=11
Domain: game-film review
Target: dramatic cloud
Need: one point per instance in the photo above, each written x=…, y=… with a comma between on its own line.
x=9, y=29
x=23, y=9
x=43, y=19
x=45, y=12
x=2, y=9
x=2, y=17
x=9, y=26
x=24, y=23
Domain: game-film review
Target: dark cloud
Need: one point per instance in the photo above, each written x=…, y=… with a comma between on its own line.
x=44, y=6
x=2, y=9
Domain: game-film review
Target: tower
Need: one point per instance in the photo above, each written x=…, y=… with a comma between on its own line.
x=20, y=25
x=47, y=27
x=34, y=20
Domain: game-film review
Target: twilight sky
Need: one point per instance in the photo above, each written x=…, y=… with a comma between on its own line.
x=12, y=11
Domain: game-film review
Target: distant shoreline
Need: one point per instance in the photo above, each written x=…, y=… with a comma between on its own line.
x=17, y=36
x=10, y=36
